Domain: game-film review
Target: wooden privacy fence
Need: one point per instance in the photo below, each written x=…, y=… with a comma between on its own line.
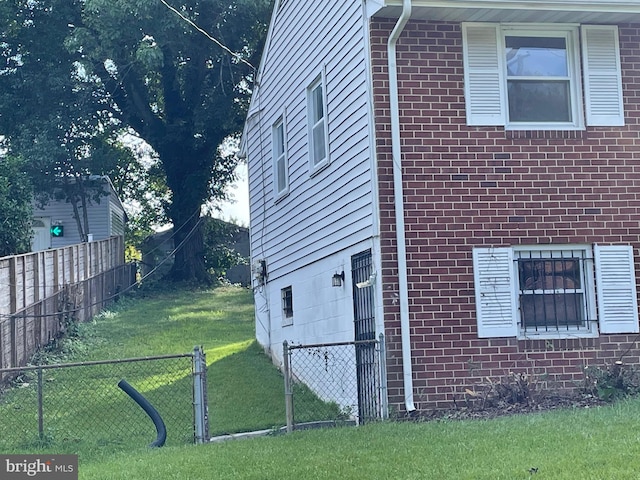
x=29, y=278
x=43, y=291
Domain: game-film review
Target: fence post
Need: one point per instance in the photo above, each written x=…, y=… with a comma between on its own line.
x=200, y=409
x=288, y=392
x=384, y=400
x=40, y=406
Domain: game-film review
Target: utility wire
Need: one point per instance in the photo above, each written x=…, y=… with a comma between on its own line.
x=121, y=292
x=208, y=35
x=173, y=234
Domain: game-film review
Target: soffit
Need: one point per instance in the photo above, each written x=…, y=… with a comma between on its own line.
x=602, y=11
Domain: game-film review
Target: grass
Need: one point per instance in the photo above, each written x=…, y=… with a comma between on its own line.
x=245, y=393
x=172, y=323
x=597, y=443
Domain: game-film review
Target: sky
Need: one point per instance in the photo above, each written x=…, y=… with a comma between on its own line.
x=237, y=210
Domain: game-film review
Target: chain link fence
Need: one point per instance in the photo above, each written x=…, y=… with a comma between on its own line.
x=334, y=383
x=81, y=404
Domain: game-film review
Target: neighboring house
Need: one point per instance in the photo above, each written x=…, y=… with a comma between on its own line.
x=54, y=225
x=474, y=170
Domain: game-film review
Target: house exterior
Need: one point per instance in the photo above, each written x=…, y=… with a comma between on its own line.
x=105, y=213
x=474, y=170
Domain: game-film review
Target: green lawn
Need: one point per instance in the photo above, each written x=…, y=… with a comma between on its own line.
x=86, y=413
x=246, y=393
x=599, y=443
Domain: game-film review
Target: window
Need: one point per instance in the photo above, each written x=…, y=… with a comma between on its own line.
x=554, y=291
x=318, y=136
x=528, y=77
x=280, y=163
x=551, y=292
x=541, y=87
x=287, y=305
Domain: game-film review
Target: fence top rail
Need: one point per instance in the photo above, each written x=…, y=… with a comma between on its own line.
x=337, y=344
x=94, y=362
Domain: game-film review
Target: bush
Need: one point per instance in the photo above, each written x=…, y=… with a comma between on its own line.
x=611, y=382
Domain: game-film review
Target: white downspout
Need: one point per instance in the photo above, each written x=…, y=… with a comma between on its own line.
x=398, y=193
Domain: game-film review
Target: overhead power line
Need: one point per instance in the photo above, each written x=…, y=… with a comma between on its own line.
x=208, y=35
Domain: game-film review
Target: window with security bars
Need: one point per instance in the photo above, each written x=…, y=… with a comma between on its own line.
x=553, y=290
x=287, y=305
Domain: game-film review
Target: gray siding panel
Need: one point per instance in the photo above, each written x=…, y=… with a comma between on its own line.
x=333, y=209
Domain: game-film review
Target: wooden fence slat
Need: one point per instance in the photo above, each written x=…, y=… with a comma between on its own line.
x=39, y=291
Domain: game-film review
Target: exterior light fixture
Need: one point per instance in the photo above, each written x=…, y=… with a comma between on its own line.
x=338, y=279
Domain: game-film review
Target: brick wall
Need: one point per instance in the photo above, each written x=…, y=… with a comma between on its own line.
x=474, y=186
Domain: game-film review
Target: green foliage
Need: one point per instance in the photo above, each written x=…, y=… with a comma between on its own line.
x=78, y=74
x=220, y=240
x=15, y=207
x=612, y=382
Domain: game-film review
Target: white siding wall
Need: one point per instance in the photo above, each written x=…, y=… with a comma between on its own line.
x=99, y=221
x=311, y=233
x=332, y=209
x=322, y=313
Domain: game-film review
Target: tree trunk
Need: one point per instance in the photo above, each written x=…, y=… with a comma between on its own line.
x=189, y=257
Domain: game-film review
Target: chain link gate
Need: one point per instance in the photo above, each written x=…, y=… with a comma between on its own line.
x=321, y=383
x=82, y=403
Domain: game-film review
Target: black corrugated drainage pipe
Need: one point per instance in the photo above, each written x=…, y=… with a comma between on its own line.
x=149, y=410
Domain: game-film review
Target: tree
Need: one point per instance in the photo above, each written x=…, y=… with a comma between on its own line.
x=139, y=64
x=15, y=207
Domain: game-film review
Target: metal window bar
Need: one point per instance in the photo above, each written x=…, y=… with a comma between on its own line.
x=560, y=305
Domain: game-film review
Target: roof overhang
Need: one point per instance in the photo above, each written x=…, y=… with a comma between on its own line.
x=557, y=11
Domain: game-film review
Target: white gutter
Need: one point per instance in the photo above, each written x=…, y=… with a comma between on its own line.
x=398, y=192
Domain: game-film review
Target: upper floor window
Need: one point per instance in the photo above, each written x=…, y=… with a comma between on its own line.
x=280, y=163
x=528, y=77
x=551, y=291
x=318, y=133
x=541, y=80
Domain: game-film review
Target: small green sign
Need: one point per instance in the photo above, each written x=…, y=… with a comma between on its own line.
x=57, y=231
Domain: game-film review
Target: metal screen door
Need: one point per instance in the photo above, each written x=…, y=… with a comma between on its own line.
x=365, y=336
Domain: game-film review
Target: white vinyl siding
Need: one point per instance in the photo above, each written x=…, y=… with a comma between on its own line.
x=332, y=209
x=485, y=75
x=496, y=292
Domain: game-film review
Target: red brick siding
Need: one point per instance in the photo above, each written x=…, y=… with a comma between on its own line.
x=471, y=186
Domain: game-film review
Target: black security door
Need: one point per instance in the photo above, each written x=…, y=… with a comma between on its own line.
x=365, y=335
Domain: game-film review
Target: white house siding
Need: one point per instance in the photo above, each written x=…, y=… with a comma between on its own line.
x=116, y=224
x=322, y=314
x=311, y=233
x=61, y=213
x=101, y=223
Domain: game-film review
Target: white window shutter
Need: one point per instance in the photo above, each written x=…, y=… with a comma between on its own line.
x=602, y=75
x=496, y=309
x=483, y=74
x=616, y=289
